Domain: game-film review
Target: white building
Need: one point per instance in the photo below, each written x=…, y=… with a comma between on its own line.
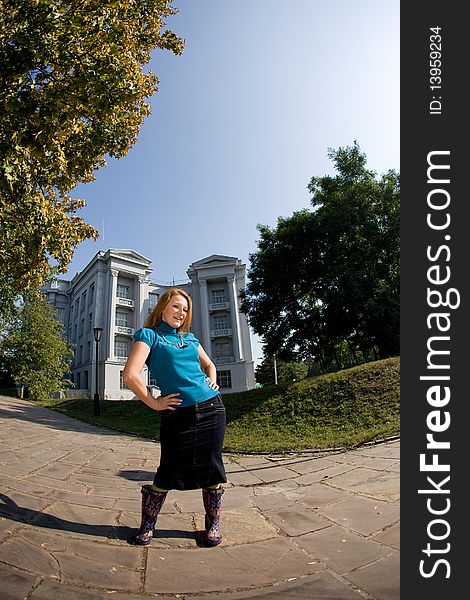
x=114, y=292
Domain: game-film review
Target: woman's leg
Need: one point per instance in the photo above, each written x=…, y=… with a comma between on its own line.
x=152, y=502
x=212, y=498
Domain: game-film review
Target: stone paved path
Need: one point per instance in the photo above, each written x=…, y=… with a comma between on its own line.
x=318, y=526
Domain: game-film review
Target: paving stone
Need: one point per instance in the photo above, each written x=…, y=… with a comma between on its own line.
x=24, y=487
x=244, y=478
x=381, y=579
x=83, y=499
x=205, y=570
x=319, y=494
x=312, y=465
x=390, y=536
x=50, y=590
x=297, y=521
x=8, y=527
x=268, y=502
x=322, y=474
x=101, y=565
x=236, y=498
x=20, y=552
x=272, y=473
x=275, y=559
x=244, y=526
x=319, y=586
x=16, y=584
x=34, y=480
x=250, y=461
x=361, y=514
x=57, y=470
x=354, y=478
x=77, y=520
x=21, y=506
x=79, y=457
x=340, y=550
x=385, y=487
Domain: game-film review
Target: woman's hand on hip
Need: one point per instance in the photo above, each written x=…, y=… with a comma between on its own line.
x=212, y=384
x=169, y=402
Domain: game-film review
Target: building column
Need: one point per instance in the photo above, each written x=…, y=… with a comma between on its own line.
x=235, y=317
x=140, y=298
x=206, y=334
x=113, y=278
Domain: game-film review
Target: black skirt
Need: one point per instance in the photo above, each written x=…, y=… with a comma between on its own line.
x=191, y=440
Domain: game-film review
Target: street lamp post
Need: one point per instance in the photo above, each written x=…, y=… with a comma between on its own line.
x=96, y=398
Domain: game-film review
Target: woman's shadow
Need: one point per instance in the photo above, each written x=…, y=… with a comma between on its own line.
x=10, y=510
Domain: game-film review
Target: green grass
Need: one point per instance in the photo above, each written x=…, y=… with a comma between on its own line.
x=337, y=410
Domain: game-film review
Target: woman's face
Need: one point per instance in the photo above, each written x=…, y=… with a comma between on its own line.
x=175, y=311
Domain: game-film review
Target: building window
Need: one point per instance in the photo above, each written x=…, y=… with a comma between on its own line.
x=75, y=336
x=91, y=297
x=76, y=308
x=82, y=327
x=218, y=296
x=90, y=321
x=78, y=381
x=121, y=349
x=122, y=319
x=83, y=305
x=88, y=352
x=123, y=291
x=85, y=380
x=122, y=385
x=224, y=379
x=220, y=322
x=222, y=349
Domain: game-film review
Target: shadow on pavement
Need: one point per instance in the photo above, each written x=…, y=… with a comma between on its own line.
x=10, y=510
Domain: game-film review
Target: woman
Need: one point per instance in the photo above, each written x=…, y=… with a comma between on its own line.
x=192, y=423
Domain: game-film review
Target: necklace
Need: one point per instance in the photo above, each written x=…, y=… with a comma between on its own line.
x=182, y=343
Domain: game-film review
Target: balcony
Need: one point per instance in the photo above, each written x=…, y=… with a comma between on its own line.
x=125, y=302
x=224, y=360
x=219, y=306
x=124, y=330
x=215, y=333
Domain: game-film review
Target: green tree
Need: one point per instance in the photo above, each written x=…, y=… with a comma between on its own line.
x=73, y=90
x=327, y=279
x=35, y=349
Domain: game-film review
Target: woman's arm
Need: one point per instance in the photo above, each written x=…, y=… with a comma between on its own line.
x=208, y=367
x=131, y=377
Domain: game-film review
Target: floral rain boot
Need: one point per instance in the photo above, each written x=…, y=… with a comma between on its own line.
x=212, y=501
x=152, y=503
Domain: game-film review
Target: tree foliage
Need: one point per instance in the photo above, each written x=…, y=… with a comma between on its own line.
x=35, y=350
x=73, y=90
x=328, y=279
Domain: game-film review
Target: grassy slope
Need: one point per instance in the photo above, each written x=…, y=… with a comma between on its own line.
x=351, y=407
x=341, y=409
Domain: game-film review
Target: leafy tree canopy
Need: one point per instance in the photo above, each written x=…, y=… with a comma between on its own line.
x=72, y=90
x=34, y=348
x=330, y=276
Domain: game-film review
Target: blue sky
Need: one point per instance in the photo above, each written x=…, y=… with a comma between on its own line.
x=242, y=121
